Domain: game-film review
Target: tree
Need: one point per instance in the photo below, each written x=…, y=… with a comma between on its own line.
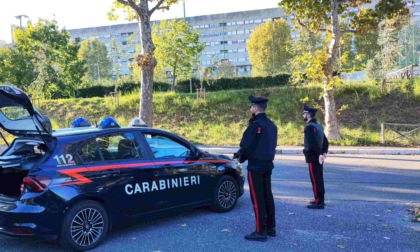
x=43, y=61
x=269, y=48
x=307, y=48
x=226, y=69
x=139, y=10
x=323, y=16
x=176, y=47
x=388, y=40
x=95, y=54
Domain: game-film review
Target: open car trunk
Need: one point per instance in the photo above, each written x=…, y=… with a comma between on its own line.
x=16, y=162
x=32, y=131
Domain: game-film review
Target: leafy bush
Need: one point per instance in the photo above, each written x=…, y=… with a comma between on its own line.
x=235, y=83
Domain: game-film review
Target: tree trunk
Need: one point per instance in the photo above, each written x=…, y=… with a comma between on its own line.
x=146, y=74
x=173, y=79
x=331, y=122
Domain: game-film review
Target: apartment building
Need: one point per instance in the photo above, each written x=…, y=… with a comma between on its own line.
x=225, y=36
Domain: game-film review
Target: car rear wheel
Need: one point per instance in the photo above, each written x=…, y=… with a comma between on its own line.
x=85, y=226
x=225, y=194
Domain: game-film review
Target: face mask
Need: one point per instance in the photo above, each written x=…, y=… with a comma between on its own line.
x=305, y=117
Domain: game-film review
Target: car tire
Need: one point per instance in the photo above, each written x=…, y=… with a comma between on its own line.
x=85, y=226
x=225, y=194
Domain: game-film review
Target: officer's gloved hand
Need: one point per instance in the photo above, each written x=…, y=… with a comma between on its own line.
x=235, y=155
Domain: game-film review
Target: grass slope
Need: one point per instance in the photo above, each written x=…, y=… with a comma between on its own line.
x=223, y=116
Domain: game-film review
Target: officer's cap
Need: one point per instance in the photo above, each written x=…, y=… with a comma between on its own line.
x=261, y=101
x=309, y=110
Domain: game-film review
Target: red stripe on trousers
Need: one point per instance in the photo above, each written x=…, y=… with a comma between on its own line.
x=257, y=217
x=313, y=182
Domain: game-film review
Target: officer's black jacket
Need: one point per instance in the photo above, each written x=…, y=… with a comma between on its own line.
x=258, y=144
x=314, y=144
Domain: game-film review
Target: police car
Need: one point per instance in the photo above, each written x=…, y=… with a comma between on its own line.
x=73, y=183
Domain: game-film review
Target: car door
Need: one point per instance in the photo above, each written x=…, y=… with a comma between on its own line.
x=182, y=177
x=115, y=165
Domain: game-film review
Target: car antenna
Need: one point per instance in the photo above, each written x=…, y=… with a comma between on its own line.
x=4, y=139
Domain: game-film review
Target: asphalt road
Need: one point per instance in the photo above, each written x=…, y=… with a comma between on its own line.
x=367, y=198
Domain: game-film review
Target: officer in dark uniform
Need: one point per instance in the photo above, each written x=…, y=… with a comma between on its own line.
x=258, y=146
x=315, y=150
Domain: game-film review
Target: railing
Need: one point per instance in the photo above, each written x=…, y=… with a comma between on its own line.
x=406, y=72
x=397, y=128
x=36, y=100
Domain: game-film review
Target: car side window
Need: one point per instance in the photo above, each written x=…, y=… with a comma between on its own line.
x=88, y=152
x=118, y=146
x=163, y=146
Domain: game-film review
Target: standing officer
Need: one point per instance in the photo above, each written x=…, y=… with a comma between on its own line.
x=258, y=146
x=315, y=150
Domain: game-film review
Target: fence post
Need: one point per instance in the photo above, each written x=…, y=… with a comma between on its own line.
x=383, y=133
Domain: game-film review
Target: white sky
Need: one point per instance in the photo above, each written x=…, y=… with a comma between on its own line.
x=90, y=13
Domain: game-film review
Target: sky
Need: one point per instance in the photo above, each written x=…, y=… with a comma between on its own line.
x=90, y=13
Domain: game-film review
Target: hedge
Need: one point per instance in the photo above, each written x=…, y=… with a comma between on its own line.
x=184, y=86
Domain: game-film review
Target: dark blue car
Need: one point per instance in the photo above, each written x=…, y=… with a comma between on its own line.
x=71, y=184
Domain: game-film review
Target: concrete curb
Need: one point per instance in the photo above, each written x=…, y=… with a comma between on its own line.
x=332, y=150
x=298, y=150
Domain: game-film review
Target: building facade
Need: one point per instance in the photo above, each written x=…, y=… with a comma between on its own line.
x=225, y=36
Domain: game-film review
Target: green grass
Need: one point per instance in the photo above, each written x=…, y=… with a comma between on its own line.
x=223, y=116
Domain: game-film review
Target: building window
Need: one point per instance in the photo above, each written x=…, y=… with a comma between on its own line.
x=223, y=51
x=222, y=24
x=241, y=49
x=124, y=42
x=240, y=22
x=246, y=21
x=240, y=32
x=257, y=21
x=223, y=42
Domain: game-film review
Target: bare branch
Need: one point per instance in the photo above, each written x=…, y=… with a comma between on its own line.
x=130, y=3
x=304, y=26
x=157, y=6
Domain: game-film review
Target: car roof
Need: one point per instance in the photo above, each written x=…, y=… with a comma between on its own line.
x=94, y=130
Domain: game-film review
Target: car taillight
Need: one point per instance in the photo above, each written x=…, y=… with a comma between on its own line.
x=37, y=184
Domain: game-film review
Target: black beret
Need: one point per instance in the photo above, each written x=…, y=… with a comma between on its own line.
x=307, y=109
x=257, y=100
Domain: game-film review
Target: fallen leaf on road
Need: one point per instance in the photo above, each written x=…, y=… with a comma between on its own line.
x=183, y=225
x=377, y=215
x=292, y=214
x=225, y=230
x=387, y=238
x=328, y=215
x=341, y=246
x=133, y=238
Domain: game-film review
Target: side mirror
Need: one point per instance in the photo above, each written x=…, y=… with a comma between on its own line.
x=197, y=153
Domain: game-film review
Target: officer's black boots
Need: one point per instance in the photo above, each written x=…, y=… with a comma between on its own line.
x=272, y=232
x=256, y=237
x=316, y=206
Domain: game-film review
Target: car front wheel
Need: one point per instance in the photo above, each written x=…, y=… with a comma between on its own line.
x=85, y=226
x=225, y=194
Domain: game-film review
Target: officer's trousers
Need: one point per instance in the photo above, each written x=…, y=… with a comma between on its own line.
x=262, y=200
x=317, y=179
